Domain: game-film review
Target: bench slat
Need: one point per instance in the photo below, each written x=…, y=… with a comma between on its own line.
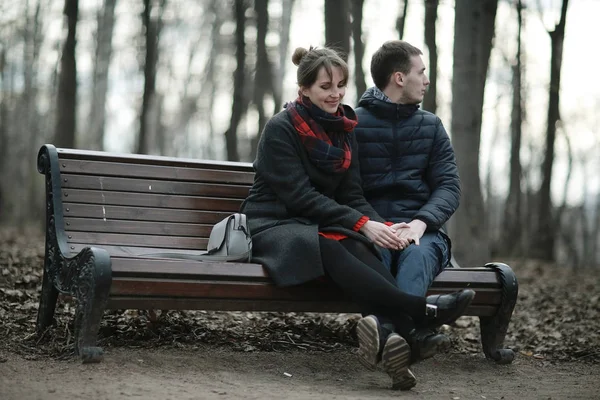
x=220, y=289
x=143, y=214
x=480, y=278
x=173, y=268
x=134, y=252
x=78, y=154
x=157, y=303
x=153, y=186
x=152, y=200
x=139, y=227
x=132, y=169
x=165, y=287
x=115, y=239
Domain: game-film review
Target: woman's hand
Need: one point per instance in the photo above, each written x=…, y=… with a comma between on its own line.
x=384, y=236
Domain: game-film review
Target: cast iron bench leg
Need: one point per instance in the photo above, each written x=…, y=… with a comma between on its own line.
x=90, y=285
x=87, y=278
x=493, y=329
x=47, y=305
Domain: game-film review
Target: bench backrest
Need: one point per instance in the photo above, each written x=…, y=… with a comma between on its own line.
x=135, y=204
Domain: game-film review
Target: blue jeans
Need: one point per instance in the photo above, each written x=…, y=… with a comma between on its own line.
x=417, y=266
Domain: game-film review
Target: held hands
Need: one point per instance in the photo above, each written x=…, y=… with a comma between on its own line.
x=413, y=231
x=384, y=236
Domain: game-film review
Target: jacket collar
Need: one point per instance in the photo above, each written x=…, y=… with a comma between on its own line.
x=381, y=106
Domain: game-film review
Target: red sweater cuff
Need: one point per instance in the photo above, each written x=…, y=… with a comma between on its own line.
x=388, y=223
x=363, y=220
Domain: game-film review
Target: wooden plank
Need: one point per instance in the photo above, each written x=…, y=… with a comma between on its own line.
x=130, y=251
x=128, y=169
x=215, y=271
x=146, y=303
x=78, y=154
x=142, y=214
x=137, y=227
x=220, y=289
x=182, y=269
x=203, y=288
x=70, y=181
x=483, y=277
x=115, y=239
x=150, y=200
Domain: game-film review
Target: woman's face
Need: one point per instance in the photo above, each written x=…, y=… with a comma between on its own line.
x=327, y=92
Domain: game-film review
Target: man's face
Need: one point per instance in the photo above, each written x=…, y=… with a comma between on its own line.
x=414, y=84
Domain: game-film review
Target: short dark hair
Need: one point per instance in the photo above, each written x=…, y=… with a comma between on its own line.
x=393, y=56
x=310, y=61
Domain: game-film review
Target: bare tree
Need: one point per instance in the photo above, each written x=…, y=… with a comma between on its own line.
x=544, y=237
x=337, y=25
x=473, y=33
x=401, y=20
x=430, y=100
x=238, y=107
x=287, y=7
x=359, y=47
x=67, y=87
x=512, y=229
x=104, y=33
x=152, y=27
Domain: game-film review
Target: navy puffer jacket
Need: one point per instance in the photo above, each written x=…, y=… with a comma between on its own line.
x=407, y=163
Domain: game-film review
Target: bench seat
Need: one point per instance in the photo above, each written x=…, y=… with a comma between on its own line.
x=108, y=213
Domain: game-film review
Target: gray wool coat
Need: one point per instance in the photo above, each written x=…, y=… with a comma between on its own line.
x=291, y=200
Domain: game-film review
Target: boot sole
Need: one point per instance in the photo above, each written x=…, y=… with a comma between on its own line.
x=368, y=342
x=396, y=360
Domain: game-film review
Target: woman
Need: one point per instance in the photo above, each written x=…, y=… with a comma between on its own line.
x=308, y=219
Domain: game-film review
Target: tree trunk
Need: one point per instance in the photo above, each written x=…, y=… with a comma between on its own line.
x=106, y=22
x=337, y=26
x=67, y=87
x=263, y=81
x=211, y=81
x=473, y=33
x=543, y=239
x=152, y=26
x=401, y=20
x=287, y=7
x=4, y=139
x=512, y=229
x=237, y=107
x=430, y=100
x=359, y=47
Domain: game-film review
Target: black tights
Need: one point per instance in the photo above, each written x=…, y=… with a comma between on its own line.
x=360, y=274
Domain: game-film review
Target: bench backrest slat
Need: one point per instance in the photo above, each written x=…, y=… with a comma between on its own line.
x=103, y=197
x=152, y=186
x=133, y=170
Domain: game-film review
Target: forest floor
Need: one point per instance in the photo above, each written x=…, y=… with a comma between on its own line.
x=555, y=332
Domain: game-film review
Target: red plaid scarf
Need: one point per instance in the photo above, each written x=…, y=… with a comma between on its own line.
x=325, y=136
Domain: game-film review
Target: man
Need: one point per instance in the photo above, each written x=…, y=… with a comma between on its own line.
x=409, y=176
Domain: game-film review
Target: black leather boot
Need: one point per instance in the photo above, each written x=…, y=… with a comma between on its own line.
x=425, y=343
x=447, y=308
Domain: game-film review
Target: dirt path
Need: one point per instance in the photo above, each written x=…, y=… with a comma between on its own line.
x=216, y=373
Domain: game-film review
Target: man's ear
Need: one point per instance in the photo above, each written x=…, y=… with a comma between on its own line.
x=398, y=78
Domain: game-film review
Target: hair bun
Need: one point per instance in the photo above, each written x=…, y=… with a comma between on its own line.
x=298, y=54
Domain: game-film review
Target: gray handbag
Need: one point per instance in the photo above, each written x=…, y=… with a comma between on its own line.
x=229, y=240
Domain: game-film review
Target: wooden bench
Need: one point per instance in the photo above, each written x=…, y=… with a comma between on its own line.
x=105, y=212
